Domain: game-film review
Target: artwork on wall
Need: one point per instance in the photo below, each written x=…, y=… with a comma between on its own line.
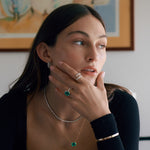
x=20, y=21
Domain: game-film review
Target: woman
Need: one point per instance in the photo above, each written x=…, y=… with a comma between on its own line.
x=60, y=100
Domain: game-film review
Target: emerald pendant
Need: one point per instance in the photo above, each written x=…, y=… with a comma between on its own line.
x=73, y=144
x=67, y=93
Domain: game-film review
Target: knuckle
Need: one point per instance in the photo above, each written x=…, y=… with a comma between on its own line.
x=104, y=90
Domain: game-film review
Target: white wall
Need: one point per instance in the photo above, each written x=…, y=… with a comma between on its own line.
x=129, y=68
x=11, y=65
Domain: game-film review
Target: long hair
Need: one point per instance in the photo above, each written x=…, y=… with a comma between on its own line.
x=35, y=74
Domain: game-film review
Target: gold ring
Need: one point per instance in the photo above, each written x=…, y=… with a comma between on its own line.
x=67, y=92
x=78, y=76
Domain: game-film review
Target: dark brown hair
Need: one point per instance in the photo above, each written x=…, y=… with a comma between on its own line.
x=35, y=74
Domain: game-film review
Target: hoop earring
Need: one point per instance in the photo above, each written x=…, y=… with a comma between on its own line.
x=48, y=64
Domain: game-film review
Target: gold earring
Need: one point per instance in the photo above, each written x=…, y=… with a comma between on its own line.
x=48, y=64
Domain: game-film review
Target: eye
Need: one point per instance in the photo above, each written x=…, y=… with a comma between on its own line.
x=101, y=46
x=79, y=42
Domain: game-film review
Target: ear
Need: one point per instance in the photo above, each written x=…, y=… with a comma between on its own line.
x=43, y=51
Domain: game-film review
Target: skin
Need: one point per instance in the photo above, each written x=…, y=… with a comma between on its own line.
x=80, y=47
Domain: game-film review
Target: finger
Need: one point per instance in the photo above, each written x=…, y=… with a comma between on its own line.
x=61, y=94
x=100, y=80
x=62, y=76
x=58, y=84
x=68, y=99
x=63, y=89
x=71, y=72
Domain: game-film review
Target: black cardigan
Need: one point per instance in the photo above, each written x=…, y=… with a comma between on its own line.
x=123, y=119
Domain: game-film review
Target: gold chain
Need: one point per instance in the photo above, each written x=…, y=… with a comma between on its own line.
x=74, y=142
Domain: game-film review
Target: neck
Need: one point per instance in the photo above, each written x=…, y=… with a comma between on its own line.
x=59, y=105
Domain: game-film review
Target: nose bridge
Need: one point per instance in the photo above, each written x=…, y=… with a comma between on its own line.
x=92, y=53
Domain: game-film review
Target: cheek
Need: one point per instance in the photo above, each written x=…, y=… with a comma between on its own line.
x=102, y=56
x=73, y=59
x=102, y=60
x=69, y=56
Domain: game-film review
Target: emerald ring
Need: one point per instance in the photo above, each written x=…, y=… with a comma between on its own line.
x=67, y=92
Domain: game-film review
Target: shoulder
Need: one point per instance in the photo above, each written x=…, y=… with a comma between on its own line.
x=13, y=118
x=124, y=105
x=123, y=101
x=12, y=101
x=122, y=97
x=125, y=109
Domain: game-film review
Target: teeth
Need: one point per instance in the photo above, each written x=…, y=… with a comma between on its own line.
x=91, y=70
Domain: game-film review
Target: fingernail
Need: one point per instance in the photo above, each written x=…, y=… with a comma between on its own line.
x=103, y=74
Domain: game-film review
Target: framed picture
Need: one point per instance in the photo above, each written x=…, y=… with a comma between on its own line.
x=20, y=21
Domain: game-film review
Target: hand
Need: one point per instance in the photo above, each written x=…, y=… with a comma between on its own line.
x=88, y=100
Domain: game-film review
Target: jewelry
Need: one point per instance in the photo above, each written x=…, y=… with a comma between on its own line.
x=108, y=137
x=48, y=64
x=78, y=76
x=52, y=111
x=67, y=93
x=73, y=144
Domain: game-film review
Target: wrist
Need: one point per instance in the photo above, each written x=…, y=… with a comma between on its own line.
x=99, y=115
x=104, y=126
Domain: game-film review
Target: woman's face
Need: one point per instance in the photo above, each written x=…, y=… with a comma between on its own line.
x=82, y=45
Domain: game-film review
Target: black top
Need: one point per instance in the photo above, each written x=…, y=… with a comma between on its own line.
x=123, y=119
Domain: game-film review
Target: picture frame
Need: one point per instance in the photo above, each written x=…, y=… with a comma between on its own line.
x=15, y=36
x=125, y=40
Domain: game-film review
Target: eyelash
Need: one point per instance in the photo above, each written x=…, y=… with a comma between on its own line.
x=77, y=42
x=102, y=46
x=81, y=42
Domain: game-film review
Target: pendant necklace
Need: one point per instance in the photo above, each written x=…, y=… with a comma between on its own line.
x=74, y=143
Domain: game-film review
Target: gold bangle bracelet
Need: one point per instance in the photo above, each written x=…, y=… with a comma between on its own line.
x=108, y=137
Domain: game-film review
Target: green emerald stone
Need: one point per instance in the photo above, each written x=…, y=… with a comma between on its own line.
x=67, y=93
x=73, y=144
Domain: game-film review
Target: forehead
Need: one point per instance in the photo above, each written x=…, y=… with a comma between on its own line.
x=88, y=24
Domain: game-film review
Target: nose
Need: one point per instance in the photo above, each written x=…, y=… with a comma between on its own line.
x=92, y=54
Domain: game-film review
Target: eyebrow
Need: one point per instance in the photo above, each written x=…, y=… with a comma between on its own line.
x=85, y=34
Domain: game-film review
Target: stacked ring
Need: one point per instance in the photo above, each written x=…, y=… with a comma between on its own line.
x=78, y=76
x=67, y=92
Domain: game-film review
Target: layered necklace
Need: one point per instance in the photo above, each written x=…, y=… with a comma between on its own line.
x=74, y=143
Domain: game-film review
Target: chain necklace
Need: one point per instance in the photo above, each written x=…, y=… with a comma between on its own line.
x=73, y=144
x=52, y=111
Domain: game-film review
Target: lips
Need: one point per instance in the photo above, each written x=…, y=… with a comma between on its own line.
x=89, y=71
